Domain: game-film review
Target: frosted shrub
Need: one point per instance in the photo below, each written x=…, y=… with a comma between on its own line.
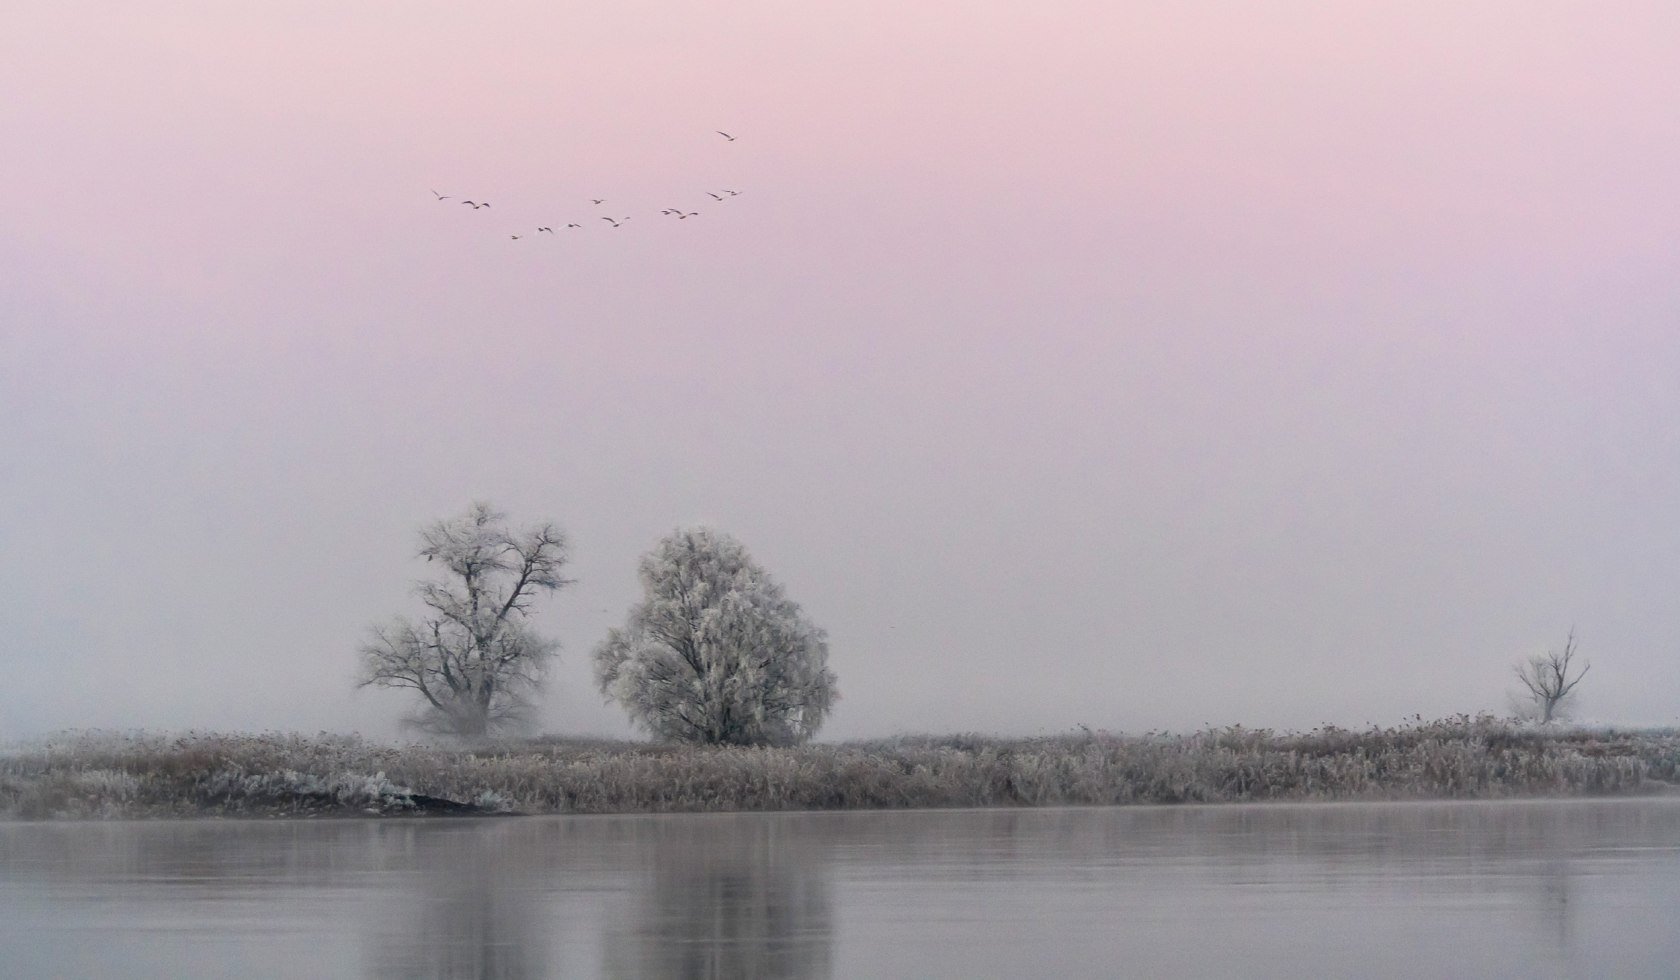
x=107, y=783
x=491, y=801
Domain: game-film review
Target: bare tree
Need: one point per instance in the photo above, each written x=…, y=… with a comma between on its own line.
x=1546, y=678
x=715, y=653
x=473, y=658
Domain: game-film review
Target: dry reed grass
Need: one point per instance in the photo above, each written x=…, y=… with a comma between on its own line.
x=107, y=775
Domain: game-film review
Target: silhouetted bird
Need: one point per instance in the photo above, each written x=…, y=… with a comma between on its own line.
x=573, y=224
x=724, y=135
x=547, y=229
x=715, y=197
x=441, y=197
x=731, y=193
x=516, y=238
x=597, y=200
x=612, y=222
x=687, y=215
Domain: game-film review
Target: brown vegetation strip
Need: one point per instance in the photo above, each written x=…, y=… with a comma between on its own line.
x=102, y=775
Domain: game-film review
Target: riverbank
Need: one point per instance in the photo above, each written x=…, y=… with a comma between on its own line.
x=105, y=775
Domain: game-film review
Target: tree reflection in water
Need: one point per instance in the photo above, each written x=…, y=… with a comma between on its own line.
x=474, y=914
x=727, y=897
x=1536, y=888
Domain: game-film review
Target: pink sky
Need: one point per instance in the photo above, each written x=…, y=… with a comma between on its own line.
x=1120, y=364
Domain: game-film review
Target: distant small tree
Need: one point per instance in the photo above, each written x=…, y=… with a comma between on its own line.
x=473, y=658
x=1547, y=683
x=715, y=653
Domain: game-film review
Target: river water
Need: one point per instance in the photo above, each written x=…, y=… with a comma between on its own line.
x=1517, y=889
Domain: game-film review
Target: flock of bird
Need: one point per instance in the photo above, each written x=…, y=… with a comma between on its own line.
x=718, y=196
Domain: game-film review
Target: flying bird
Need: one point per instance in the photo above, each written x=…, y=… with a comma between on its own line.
x=516, y=237
x=597, y=200
x=547, y=229
x=724, y=135
x=441, y=197
x=731, y=193
x=612, y=222
x=573, y=224
x=689, y=214
x=715, y=197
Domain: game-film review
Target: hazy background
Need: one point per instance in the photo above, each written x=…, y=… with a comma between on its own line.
x=1126, y=364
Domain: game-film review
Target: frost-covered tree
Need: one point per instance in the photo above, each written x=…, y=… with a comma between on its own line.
x=1547, y=684
x=473, y=658
x=715, y=653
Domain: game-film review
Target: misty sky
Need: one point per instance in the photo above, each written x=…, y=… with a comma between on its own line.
x=1134, y=365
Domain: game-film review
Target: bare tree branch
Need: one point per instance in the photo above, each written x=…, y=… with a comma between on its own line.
x=1546, y=677
x=473, y=658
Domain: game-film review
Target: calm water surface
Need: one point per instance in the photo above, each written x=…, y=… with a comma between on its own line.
x=1530, y=889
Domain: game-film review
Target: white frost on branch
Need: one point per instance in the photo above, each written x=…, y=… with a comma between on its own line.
x=715, y=653
x=472, y=658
